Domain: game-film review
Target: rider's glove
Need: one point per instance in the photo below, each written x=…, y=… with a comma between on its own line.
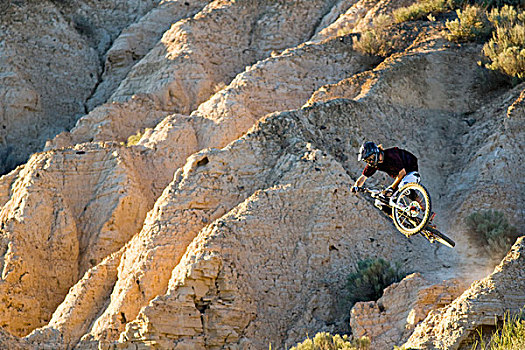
x=388, y=192
x=355, y=189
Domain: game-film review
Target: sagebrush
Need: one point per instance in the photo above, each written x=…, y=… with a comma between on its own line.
x=371, y=278
x=326, y=341
x=492, y=230
x=375, y=41
x=422, y=9
x=505, y=51
x=472, y=24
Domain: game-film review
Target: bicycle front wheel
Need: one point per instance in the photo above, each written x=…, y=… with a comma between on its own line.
x=412, y=209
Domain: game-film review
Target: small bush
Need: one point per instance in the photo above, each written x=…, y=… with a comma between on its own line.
x=371, y=278
x=506, y=49
x=510, y=336
x=326, y=341
x=493, y=230
x=375, y=41
x=135, y=138
x=422, y=9
x=472, y=25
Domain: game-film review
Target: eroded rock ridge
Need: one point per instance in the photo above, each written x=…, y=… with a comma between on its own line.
x=227, y=221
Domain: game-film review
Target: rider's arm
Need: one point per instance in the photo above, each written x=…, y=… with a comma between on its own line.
x=398, y=178
x=360, y=181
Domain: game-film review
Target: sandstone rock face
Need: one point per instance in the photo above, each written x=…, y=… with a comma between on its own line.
x=391, y=320
x=495, y=144
x=484, y=302
x=265, y=87
x=42, y=95
x=134, y=42
x=282, y=82
x=101, y=23
x=113, y=121
x=225, y=289
x=229, y=224
x=82, y=304
x=58, y=223
x=39, y=94
x=6, y=183
x=197, y=55
x=214, y=182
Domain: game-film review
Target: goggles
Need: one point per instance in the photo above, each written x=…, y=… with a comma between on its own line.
x=371, y=159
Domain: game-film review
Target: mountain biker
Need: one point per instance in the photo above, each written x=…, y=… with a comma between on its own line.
x=396, y=162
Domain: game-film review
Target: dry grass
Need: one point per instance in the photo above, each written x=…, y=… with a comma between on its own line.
x=326, y=341
x=509, y=336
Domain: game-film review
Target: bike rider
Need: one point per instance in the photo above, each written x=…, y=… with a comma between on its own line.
x=396, y=162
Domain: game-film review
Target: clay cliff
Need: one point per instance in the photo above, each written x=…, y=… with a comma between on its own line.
x=228, y=221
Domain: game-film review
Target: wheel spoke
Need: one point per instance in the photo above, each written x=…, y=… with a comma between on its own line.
x=412, y=208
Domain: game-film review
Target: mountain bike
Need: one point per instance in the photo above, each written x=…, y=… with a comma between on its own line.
x=410, y=209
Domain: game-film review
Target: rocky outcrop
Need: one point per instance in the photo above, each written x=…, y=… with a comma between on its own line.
x=100, y=24
x=67, y=211
x=265, y=87
x=214, y=182
x=430, y=82
x=112, y=121
x=197, y=55
x=44, y=94
x=135, y=41
x=493, y=146
x=40, y=94
x=6, y=183
x=232, y=293
x=230, y=223
x=391, y=320
x=484, y=302
x=83, y=303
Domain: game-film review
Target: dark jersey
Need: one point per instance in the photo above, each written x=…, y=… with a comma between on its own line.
x=395, y=160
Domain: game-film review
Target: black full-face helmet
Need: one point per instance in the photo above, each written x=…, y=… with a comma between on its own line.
x=369, y=152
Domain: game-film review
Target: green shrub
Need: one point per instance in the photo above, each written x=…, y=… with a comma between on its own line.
x=371, y=278
x=326, y=341
x=510, y=336
x=422, y=9
x=506, y=49
x=135, y=138
x=472, y=25
x=375, y=41
x=493, y=231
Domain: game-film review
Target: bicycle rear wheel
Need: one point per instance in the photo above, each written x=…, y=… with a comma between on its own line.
x=412, y=209
x=441, y=238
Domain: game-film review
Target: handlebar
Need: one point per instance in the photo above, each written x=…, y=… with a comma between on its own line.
x=368, y=190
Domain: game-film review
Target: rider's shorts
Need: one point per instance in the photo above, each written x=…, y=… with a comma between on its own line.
x=412, y=176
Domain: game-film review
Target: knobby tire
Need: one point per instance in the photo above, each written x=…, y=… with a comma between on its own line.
x=441, y=238
x=420, y=225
